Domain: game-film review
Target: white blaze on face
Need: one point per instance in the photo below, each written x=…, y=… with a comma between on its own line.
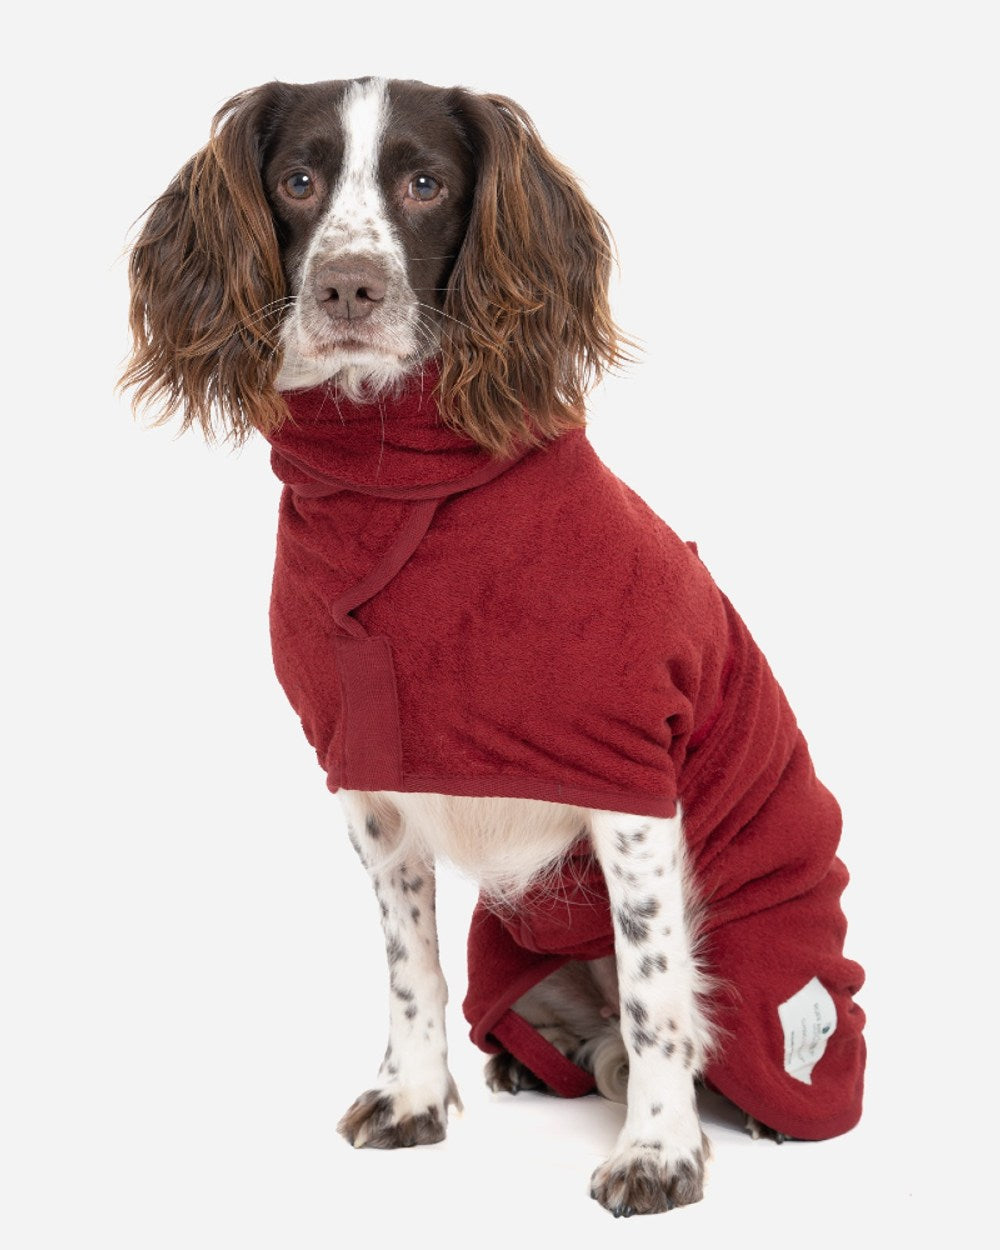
x=356, y=220
x=355, y=223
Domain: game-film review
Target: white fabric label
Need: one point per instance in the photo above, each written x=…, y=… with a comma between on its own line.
x=808, y=1019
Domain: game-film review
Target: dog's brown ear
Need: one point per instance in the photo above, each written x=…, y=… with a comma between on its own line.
x=207, y=283
x=527, y=325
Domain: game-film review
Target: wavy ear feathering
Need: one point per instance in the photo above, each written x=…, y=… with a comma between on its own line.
x=227, y=267
x=207, y=284
x=528, y=326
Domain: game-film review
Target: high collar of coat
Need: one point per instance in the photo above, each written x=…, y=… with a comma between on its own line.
x=393, y=445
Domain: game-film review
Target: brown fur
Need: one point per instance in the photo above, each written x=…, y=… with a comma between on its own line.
x=532, y=327
x=525, y=322
x=208, y=287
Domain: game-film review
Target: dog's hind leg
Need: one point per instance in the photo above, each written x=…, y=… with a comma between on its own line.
x=409, y=1104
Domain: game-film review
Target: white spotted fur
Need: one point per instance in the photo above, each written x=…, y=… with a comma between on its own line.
x=414, y=1072
x=656, y=986
x=664, y=1029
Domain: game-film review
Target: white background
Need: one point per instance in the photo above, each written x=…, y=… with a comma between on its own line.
x=805, y=199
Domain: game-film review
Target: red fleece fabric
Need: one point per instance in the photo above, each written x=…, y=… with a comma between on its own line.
x=446, y=622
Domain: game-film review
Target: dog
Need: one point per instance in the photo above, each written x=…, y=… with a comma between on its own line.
x=407, y=294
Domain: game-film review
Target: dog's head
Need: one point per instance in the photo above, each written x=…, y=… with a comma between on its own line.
x=347, y=231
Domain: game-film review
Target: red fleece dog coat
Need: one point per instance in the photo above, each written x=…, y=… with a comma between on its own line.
x=446, y=622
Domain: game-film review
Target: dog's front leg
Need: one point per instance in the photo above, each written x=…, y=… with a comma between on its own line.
x=658, y=1160
x=409, y=1105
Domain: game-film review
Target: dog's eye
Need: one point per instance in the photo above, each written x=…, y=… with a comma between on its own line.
x=299, y=186
x=423, y=187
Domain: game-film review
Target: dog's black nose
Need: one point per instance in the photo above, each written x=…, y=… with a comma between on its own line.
x=349, y=289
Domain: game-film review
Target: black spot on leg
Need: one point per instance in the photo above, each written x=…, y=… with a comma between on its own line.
x=411, y=1011
x=636, y=1010
x=414, y=914
x=395, y=950
x=655, y=1108
x=668, y=1049
x=371, y=827
x=383, y=909
x=624, y=841
x=633, y=929
x=641, y=1038
x=410, y=885
x=688, y=1052
x=652, y=963
x=632, y=918
x=403, y=994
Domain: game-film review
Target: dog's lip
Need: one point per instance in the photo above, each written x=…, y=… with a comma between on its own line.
x=350, y=342
x=330, y=344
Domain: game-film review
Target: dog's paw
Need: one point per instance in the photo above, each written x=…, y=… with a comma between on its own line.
x=760, y=1131
x=507, y=1075
x=644, y=1179
x=396, y=1115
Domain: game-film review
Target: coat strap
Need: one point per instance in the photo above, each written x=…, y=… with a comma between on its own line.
x=538, y=1054
x=408, y=539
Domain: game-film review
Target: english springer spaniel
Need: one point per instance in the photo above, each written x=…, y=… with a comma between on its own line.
x=344, y=235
